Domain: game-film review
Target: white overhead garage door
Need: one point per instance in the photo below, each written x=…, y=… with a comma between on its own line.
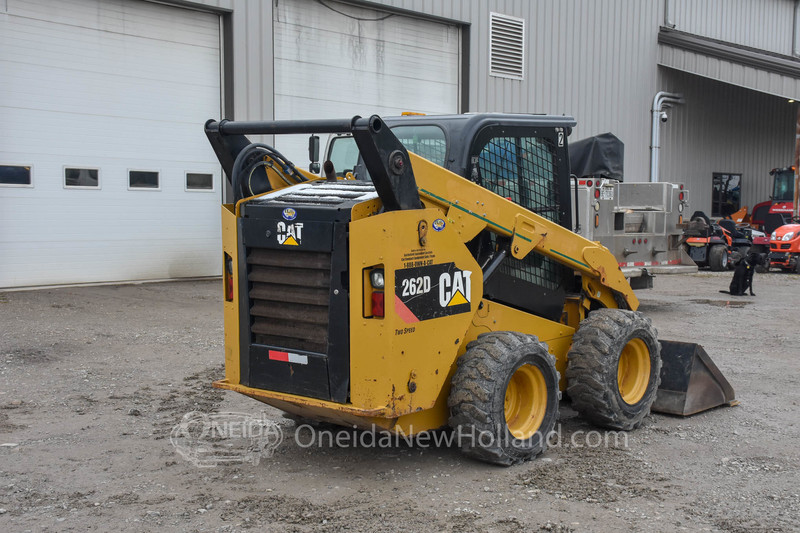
x=105, y=172
x=335, y=60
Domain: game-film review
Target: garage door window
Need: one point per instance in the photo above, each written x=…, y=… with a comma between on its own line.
x=143, y=179
x=15, y=176
x=81, y=178
x=198, y=181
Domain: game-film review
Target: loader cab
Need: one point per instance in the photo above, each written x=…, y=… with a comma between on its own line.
x=783, y=185
x=522, y=158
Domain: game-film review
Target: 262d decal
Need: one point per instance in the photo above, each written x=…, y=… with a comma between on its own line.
x=433, y=291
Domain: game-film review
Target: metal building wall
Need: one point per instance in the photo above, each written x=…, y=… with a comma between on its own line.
x=247, y=55
x=724, y=128
x=596, y=60
x=592, y=59
x=764, y=24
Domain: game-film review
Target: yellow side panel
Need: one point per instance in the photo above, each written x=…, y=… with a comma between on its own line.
x=492, y=316
x=231, y=309
x=402, y=361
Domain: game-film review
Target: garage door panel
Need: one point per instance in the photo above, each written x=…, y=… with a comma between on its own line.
x=120, y=96
x=309, y=20
x=328, y=65
x=405, y=59
x=148, y=20
x=130, y=88
x=368, y=89
x=98, y=139
x=30, y=44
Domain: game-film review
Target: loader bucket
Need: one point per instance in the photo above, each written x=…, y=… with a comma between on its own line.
x=690, y=381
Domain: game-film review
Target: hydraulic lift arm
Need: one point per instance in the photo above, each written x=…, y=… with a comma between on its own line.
x=473, y=208
x=401, y=179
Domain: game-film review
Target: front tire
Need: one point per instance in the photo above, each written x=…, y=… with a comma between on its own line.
x=504, y=398
x=718, y=258
x=614, y=368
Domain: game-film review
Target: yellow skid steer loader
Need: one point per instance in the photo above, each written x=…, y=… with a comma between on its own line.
x=435, y=284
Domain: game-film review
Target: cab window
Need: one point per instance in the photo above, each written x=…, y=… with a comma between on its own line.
x=343, y=153
x=425, y=141
x=522, y=169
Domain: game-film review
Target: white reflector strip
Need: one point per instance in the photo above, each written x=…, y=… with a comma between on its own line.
x=288, y=357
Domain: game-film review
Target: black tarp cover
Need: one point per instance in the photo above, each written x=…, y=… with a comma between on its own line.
x=601, y=155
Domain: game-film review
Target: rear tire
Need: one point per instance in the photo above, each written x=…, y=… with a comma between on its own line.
x=614, y=368
x=504, y=398
x=718, y=258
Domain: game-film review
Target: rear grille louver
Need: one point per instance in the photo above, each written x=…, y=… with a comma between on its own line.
x=289, y=295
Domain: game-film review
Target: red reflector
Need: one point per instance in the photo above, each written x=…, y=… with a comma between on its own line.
x=681, y=187
x=377, y=304
x=680, y=196
x=229, y=289
x=597, y=193
x=634, y=241
x=640, y=241
x=589, y=183
x=645, y=241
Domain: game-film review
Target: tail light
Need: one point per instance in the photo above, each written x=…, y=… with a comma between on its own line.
x=374, y=292
x=228, y=277
x=378, y=304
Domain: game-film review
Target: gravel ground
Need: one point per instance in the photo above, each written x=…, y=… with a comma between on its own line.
x=94, y=379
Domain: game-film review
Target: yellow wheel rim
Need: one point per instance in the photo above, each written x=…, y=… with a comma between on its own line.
x=525, y=401
x=633, y=372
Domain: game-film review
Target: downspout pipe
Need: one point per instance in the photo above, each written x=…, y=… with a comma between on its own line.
x=661, y=101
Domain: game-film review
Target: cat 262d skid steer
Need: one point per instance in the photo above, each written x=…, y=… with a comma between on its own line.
x=437, y=287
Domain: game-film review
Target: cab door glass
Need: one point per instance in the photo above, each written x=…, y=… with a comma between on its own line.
x=522, y=169
x=343, y=153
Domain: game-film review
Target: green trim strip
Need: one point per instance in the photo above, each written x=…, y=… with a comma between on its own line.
x=448, y=202
x=467, y=211
x=571, y=259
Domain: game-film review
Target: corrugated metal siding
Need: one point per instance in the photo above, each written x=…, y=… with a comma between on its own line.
x=723, y=128
x=729, y=72
x=596, y=60
x=593, y=59
x=764, y=24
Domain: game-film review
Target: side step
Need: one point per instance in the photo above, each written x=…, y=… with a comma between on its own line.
x=690, y=381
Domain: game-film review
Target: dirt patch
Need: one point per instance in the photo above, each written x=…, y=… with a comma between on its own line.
x=723, y=303
x=94, y=379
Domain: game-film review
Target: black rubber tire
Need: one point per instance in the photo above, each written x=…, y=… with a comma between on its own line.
x=718, y=258
x=477, y=397
x=593, y=361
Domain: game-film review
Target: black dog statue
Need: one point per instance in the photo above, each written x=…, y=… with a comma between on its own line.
x=743, y=275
